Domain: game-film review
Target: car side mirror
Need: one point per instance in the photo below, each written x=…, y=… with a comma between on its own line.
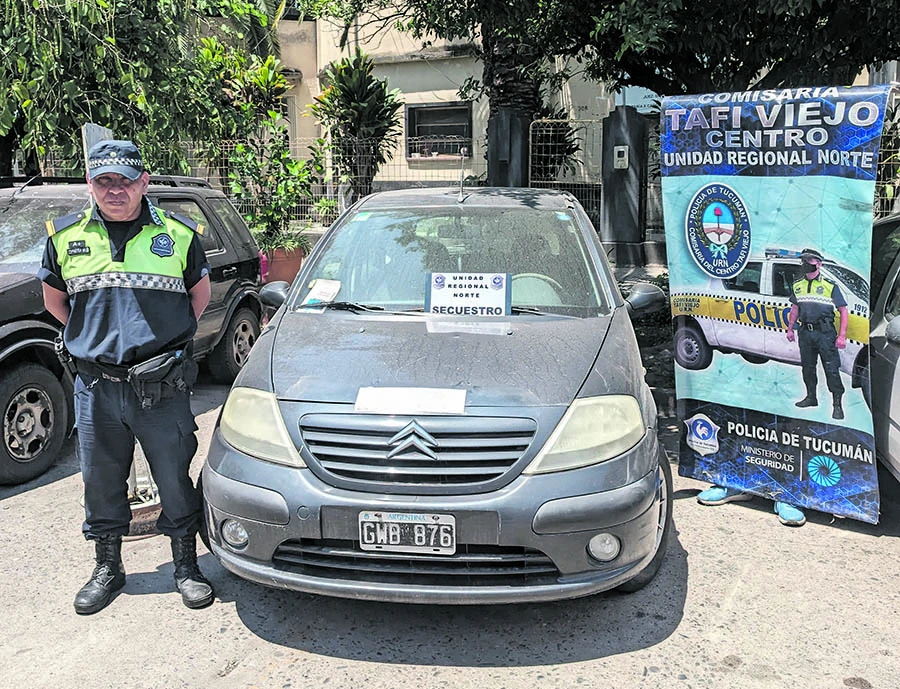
x=274, y=293
x=645, y=298
x=892, y=332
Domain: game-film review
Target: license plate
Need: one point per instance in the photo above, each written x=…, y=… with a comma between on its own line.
x=404, y=532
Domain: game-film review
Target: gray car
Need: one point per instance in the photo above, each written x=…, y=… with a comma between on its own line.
x=884, y=341
x=447, y=407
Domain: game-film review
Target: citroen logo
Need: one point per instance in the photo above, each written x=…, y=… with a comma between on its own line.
x=412, y=436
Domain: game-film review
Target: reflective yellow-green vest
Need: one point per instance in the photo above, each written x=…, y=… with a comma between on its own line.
x=124, y=312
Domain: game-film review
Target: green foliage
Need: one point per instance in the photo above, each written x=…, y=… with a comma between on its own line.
x=269, y=184
x=138, y=68
x=556, y=144
x=361, y=116
x=674, y=47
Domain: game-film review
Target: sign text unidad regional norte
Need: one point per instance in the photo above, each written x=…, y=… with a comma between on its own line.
x=736, y=132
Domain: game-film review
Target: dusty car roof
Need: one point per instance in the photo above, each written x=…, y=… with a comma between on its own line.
x=494, y=197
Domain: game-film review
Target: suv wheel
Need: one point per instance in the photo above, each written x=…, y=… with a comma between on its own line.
x=34, y=423
x=663, y=529
x=229, y=356
x=691, y=349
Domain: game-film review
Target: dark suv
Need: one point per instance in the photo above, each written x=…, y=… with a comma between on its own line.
x=35, y=393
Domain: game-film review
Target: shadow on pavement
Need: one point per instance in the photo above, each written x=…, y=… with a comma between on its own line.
x=522, y=635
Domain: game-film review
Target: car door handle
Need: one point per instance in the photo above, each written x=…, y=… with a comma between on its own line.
x=230, y=273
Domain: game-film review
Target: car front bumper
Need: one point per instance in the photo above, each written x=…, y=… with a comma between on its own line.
x=548, y=518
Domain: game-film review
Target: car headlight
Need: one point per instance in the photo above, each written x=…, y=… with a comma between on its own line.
x=592, y=430
x=252, y=423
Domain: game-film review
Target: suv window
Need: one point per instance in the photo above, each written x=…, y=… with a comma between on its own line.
x=23, y=233
x=228, y=214
x=783, y=277
x=892, y=306
x=747, y=280
x=885, y=247
x=190, y=208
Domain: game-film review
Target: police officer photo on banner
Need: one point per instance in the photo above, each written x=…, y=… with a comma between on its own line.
x=768, y=205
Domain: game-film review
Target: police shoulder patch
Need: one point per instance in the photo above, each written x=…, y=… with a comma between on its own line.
x=186, y=221
x=63, y=223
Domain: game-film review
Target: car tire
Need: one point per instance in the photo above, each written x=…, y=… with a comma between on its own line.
x=664, y=529
x=753, y=358
x=35, y=420
x=228, y=357
x=691, y=349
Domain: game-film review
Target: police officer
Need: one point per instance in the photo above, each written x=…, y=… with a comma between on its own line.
x=813, y=300
x=129, y=282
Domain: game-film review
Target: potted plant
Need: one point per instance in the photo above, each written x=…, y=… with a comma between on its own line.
x=269, y=186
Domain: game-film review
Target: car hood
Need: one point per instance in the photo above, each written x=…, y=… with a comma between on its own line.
x=20, y=295
x=328, y=357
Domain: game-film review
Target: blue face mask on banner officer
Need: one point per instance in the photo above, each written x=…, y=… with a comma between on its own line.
x=128, y=282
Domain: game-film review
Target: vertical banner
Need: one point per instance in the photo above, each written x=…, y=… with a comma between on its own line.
x=767, y=199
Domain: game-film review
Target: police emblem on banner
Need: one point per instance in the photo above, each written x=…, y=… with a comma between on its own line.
x=717, y=229
x=162, y=246
x=702, y=434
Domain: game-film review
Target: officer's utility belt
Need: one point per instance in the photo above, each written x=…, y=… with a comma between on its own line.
x=822, y=325
x=158, y=378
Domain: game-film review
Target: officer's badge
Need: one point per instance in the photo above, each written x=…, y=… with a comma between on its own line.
x=702, y=434
x=78, y=248
x=820, y=290
x=162, y=245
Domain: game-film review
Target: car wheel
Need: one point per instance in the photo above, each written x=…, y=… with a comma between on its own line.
x=229, y=356
x=35, y=420
x=753, y=358
x=691, y=349
x=663, y=529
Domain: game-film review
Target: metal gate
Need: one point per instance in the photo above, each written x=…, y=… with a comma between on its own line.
x=567, y=155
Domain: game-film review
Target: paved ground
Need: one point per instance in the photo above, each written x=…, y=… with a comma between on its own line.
x=740, y=602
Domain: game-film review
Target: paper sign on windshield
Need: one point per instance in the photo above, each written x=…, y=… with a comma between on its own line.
x=468, y=294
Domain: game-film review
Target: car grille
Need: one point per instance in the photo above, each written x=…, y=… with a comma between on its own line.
x=472, y=565
x=427, y=451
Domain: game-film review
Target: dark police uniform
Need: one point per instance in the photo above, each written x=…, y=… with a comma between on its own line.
x=128, y=286
x=816, y=301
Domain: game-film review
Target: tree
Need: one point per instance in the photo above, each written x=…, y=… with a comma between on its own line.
x=360, y=114
x=673, y=47
x=138, y=67
x=506, y=37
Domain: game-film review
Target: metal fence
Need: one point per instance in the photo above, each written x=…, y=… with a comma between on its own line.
x=564, y=154
x=567, y=155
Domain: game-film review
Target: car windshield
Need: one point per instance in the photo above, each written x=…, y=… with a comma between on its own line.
x=23, y=233
x=385, y=258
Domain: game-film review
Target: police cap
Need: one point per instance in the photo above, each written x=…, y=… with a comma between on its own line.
x=812, y=253
x=119, y=157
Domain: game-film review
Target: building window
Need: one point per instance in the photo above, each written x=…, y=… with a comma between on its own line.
x=438, y=129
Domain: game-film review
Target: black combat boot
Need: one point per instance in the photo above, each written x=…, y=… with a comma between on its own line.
x=108, y=577
x=808, y=401
x=196, y=591
x=838, y=411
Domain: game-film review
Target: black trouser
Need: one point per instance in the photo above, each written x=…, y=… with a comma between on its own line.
x=109, y=418
x=816, y=343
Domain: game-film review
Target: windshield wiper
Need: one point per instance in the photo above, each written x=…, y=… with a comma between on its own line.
x=535, y=311
x=342, y=306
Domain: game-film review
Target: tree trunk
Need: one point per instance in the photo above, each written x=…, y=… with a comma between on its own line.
x=514, y=97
